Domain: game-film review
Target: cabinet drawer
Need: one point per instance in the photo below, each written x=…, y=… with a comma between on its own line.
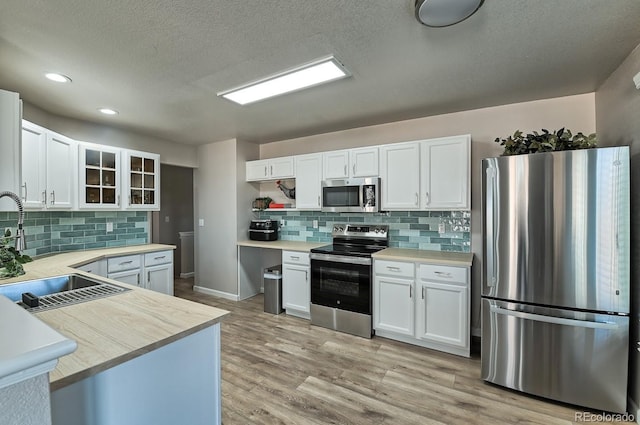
x=160, y=257
x=443, y=273
x=127, y=262
x=394, y=268
x=295, y=257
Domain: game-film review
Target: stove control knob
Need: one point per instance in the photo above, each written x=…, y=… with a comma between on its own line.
x=335, y=228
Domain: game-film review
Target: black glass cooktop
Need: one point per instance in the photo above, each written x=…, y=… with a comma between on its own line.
x=349, y=250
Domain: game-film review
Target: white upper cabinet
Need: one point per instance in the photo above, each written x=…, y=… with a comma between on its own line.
x=445, y=173
x=360, y=162
x=400, y=176
x=308, y=178
x=48, y=168
x=99, y=176
x=141, y=180
x=270, y=169
x=10, y=116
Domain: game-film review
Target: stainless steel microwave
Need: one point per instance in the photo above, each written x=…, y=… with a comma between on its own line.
x=351, y=195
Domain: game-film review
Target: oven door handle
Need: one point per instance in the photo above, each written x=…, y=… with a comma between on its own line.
x=365, y=261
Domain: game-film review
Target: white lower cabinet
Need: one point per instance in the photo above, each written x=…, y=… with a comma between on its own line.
x=153, y=270
x=296, y=283
x=430, y=310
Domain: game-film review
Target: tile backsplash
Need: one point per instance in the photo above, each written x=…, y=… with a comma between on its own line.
x=58, y=231
x=407, y=229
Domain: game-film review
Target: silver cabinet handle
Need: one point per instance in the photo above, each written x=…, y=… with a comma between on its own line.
x=160, y=257
x=44, y=197
x=306, y=275
x=354, y=169
x=393, y=268
x=345, y=169
x=25, y=191
x=443, y=274
x=125, y=262
x=293, y=257
x=318, y=200
x=423, y=292
x=265, y=171
x=427, y=198
x=272, y=170
x=410, y=291
x=53, y=197
x=417, y=198
x=129, y=199
x=138, y=279
x=148, y=278
x=118, y=200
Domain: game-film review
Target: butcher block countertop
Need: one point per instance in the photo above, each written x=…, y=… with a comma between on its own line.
x=460, y=259
x=112, y=330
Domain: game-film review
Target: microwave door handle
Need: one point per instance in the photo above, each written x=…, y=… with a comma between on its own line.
x=361, y=196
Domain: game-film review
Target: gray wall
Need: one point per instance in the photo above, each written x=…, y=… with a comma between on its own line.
x=176, y=208
x=618, y=123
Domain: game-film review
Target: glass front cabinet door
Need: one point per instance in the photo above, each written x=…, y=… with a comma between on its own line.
x=99, y=177
x=142, y=180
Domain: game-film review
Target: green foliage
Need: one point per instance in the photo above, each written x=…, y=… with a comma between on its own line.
x=560, y=140
x=11, y=261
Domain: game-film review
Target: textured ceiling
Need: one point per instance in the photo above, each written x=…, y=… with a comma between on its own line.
x=161, y=62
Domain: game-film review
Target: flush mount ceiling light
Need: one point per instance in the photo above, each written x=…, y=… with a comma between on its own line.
x=442, y=13
x=311, y=74
x=108, y=111
x=58, y=78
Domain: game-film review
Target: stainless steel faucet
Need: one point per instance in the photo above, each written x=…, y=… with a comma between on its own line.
x=21, y=243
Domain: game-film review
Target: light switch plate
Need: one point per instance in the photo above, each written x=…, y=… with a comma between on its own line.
x=441, y=228
x=109, y=227
x=201, y=222
x=166, y=218
x=315, y=224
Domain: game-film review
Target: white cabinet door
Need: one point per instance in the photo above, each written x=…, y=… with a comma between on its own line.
x=281, y=168
x=445, y=173
x=98, y=268
x=141, y=180
x=61, y=168
x=160, y=278
x=363, y=162
x=400, y=176
x=132, y=277
x=296, y=289
x=270, y=169
x=336, y=164
x=308, y=178
x=34, y=140
x=99, y=177
x=393, y=309
x=443, y=313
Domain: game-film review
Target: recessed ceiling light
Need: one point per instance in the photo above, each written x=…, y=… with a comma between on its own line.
x=58, y=78
x=311, y=74
x=108, y=111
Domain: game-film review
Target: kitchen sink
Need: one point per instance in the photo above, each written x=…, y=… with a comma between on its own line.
x=53, y=292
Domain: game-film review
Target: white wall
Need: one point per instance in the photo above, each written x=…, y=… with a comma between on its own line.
x=170, y=152
x=574, y=112
x=223, y=200
x=618, y=123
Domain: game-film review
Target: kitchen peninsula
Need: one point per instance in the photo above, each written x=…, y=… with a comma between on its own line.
x=142, y=356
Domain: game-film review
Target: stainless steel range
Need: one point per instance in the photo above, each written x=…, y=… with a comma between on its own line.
x=342, y=278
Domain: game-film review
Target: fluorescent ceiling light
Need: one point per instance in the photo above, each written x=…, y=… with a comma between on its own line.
x=108, y=111
x=58, y=78
x=309, y=75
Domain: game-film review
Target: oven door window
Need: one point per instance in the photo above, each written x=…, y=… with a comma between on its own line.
x=341, y=285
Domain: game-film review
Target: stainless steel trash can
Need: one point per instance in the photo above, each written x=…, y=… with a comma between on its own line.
x=273, y=289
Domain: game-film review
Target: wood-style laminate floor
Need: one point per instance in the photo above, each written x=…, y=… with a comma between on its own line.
x=278, y=369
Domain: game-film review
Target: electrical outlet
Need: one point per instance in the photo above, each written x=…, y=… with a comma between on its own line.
x=282, y=222
x=441, y=228
x=315, y=224
x=201, y=222
x=109, y=227
x=166, y=218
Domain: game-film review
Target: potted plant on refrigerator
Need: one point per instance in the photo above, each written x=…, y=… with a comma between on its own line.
x=559, y=140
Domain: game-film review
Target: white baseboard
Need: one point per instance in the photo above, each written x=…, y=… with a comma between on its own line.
x=215, y=293
x=185, y=275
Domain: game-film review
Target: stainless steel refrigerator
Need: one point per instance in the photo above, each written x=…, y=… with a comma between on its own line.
x=555, y=290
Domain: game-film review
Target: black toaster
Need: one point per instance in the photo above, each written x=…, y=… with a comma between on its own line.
x=263, y=230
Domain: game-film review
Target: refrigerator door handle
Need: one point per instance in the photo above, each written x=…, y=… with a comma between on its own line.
x=491, y=212
x=554, y=320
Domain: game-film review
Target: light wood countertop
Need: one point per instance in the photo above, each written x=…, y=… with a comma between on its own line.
x=115, y=329
x=284, y=245
x=461, y=259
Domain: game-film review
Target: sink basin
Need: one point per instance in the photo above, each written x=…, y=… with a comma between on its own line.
x=59, y=291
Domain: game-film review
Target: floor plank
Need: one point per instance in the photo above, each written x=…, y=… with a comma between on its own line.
x=279, y=369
